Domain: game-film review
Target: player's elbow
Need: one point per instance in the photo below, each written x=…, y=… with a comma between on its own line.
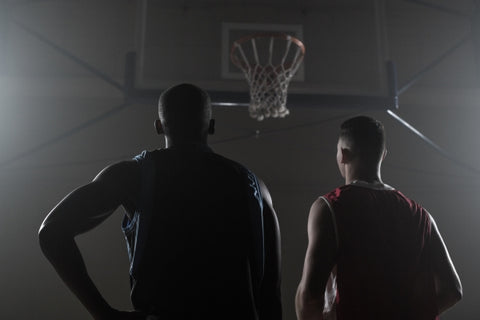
x=448, y=299
x=457, y=294
x=308, y=303
x=45, y=236
x=48, y=238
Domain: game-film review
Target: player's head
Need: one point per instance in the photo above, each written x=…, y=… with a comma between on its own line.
x=362, y=140
x=185, y=112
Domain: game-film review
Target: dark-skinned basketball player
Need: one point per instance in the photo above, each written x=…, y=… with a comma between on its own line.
x=202, y=235
x=372, y=252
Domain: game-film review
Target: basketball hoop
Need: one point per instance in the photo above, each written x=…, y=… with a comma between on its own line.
x=269, y=78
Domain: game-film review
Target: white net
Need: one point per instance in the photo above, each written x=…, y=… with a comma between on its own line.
x=269, y=74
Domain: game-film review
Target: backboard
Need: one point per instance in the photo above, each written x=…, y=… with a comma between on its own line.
x=189, y=41
x=344, y=65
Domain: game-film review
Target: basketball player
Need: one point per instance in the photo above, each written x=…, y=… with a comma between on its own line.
x=202, y=235
x=372, y=252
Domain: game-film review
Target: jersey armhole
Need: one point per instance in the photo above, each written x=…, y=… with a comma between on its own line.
x=334, y=220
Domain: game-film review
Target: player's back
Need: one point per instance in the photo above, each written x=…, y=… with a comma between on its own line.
x=194, y=256
x=382, y=262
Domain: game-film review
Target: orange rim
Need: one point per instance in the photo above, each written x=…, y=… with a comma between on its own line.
x=234, y=58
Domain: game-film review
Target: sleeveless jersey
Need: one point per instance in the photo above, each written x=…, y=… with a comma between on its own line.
x=195, y=240
x=382, y=269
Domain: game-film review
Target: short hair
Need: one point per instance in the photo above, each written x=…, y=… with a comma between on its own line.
x=365, y=136
x=185, y=110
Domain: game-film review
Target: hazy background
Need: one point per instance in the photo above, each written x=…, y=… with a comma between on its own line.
x=56, y=131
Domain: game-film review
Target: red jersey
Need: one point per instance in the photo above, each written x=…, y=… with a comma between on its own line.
x=383, y=265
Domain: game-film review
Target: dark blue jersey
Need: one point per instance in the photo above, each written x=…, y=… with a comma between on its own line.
x=195, y=237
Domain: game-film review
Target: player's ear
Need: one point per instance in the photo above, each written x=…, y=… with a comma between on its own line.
x=158, y=126
x=211, y=126
x=346, y=155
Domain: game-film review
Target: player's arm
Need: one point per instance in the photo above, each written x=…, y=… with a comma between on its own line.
x=80, y=211
x=271, y=306
x=319, y=261
x=448, y=287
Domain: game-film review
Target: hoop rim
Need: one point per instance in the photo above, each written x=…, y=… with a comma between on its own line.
x=278, y=35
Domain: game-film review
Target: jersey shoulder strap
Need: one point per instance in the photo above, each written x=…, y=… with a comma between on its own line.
x=256, y=222
x=135, y=229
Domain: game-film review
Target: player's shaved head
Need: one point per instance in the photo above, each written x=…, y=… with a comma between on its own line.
x=185, y=111
x=365, y=137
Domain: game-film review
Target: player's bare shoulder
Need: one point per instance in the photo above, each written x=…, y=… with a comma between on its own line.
x=319, y=210
x=123, y=177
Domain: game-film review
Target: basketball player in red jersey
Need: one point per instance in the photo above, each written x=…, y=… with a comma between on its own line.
x=372, y=252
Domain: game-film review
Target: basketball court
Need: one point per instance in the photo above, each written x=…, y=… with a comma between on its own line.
x=79, y=84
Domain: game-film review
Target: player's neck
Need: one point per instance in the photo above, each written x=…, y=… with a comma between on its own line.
x=182, y=142
x=369, y=175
